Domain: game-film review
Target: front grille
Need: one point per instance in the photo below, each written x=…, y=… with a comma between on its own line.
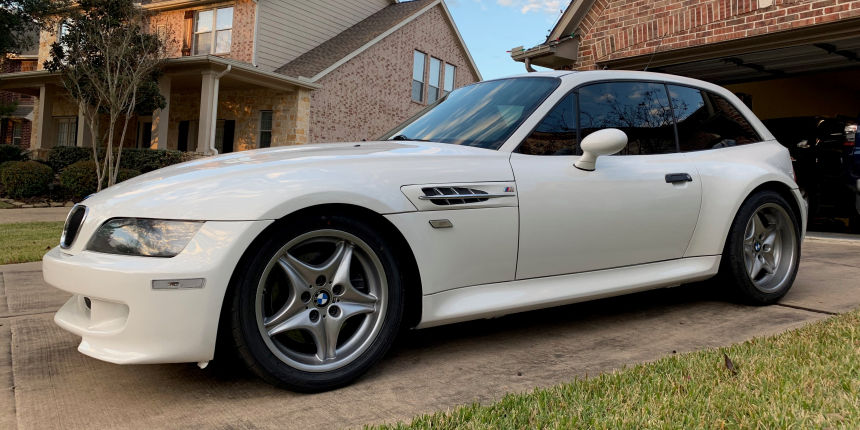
x=73, y=226
x=444, y=196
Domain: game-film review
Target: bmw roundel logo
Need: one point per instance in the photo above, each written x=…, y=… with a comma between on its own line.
x=757, y=247
x=322, y=298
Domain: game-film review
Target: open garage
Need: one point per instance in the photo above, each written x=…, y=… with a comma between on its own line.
x=795, y=63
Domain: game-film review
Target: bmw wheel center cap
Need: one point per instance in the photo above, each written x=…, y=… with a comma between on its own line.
x=322, y=298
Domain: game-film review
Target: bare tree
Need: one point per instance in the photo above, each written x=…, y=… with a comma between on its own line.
x=110, y=65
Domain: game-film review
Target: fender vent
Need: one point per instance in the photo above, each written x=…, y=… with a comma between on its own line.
x=73, y=225
x=444, y=196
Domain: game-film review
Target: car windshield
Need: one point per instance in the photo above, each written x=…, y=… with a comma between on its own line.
x=483, y=115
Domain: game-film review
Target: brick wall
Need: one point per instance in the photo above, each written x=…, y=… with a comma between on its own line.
x=615, y=29
x=371, y=93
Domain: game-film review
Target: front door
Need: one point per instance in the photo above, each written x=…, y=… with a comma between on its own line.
x=631, y=209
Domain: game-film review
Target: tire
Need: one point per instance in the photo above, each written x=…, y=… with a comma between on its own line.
x=762, y=251
x=317, y=278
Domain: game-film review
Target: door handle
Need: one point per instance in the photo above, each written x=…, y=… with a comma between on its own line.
x=672, y=178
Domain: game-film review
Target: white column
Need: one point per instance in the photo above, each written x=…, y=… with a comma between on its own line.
x=206, y=123
x=44, y=126
x=161, y=117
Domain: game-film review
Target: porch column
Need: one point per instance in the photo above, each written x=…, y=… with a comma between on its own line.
x=85, y=135
x=204, y=125
x=43, y=125
x=161, y=117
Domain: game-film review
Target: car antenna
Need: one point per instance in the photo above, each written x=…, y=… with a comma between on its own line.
x=660, y=42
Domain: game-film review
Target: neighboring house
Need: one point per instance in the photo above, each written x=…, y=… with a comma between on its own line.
x=245, y=74
x=783, y=57
x=15, y=124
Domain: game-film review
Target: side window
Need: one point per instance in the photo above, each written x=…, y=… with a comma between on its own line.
x=556, y=133
x=707, y=121
x=639, y=109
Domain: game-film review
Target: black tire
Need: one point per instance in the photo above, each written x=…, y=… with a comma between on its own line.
x=734, y=269
x=256, y=351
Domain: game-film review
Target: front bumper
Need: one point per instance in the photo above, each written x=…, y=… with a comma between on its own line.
x=126, y=320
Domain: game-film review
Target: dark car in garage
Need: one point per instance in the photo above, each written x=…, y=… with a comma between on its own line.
x=827, y=164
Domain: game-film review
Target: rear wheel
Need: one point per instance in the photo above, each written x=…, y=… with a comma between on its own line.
x=762, y=252
x=319, y=304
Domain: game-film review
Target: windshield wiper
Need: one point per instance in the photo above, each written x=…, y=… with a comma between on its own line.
x=404, y=137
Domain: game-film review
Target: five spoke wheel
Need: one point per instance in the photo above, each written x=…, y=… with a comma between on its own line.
x=321, y=300
x=769, y=244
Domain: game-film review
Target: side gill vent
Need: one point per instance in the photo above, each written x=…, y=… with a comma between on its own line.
x=444, y=196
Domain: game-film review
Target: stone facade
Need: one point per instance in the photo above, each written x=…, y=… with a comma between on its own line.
x=372, y=93
x=614, y=29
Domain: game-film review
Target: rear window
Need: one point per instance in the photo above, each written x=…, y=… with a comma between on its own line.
x=708, y=121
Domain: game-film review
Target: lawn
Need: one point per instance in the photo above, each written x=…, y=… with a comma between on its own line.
x=28, y=241
x=806, y=378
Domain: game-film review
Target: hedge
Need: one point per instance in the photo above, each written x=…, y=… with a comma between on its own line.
x=80, y=179
x=25, y=178
x=142, y=160
x=12, y=153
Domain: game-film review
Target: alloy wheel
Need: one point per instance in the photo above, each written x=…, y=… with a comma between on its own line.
x=769, y=247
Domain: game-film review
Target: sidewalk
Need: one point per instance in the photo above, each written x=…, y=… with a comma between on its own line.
x=8, y=216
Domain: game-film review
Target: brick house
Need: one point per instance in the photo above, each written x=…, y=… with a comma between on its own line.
x=245, y=74
x=15, y=125
x=784, y=57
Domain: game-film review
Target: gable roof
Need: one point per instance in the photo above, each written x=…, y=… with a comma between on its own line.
x=336, y=51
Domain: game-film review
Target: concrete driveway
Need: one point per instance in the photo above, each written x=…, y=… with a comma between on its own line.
x=52, y=385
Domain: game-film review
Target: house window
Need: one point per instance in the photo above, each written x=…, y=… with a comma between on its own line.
x=265, y=129
x=16, y=132
x=418, y=76
x=67, y=130
x=450, y=72
x=213, y=31
x=144, y=132
x=435, y=77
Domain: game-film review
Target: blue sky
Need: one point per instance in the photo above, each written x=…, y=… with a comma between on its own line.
x=492, y=27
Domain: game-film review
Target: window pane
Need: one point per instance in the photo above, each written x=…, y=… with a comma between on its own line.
x=641, y=110
x=203, y=43
x=418, y=67
x=432, y=94
x=417, y=91
x=556, y=133
x=203, y=22
x=435, y=71
x=450, y=72
x=222, y=41
x=707, y=121
x=483, y=115
x=224, y=19
x=266, y=120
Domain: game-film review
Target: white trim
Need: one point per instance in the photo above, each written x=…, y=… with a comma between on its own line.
x=391, y=30
x=256, y=28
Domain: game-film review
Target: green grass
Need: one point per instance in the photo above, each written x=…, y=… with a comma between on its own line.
x=4, y=205
x=28, y=241
x=806, y=378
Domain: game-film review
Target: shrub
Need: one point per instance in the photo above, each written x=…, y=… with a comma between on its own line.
x=80, y=179
x=26, y=178
x=12, y=153
x=146, y=160
x=60, y=157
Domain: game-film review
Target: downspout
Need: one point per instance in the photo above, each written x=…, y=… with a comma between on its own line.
x=217, y=85
x=528, y=62
x=256, y=28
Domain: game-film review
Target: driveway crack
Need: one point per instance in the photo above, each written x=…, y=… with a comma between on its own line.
x=804, y=308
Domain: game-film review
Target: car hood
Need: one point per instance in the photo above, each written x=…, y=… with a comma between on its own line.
x=273, y=182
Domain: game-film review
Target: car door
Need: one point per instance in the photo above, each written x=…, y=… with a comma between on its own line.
x=636, y=207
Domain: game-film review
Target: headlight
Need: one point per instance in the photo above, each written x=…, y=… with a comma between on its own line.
x=144, y=237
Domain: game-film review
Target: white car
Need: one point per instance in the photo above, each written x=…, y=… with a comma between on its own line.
x=503, y=197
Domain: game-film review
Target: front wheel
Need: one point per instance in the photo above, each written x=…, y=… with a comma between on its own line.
x=762, y=251
x=319, y=304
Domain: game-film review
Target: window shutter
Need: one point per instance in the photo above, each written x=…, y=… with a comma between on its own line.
x=188, y=33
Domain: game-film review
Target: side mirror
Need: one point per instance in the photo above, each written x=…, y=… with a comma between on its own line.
x=602, y=142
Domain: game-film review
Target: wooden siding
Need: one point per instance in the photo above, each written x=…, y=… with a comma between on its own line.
x=289, y=28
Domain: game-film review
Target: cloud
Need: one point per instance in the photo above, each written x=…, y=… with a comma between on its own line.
x=553, y=7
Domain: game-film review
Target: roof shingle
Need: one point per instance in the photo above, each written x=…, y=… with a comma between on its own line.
x=331, y=51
